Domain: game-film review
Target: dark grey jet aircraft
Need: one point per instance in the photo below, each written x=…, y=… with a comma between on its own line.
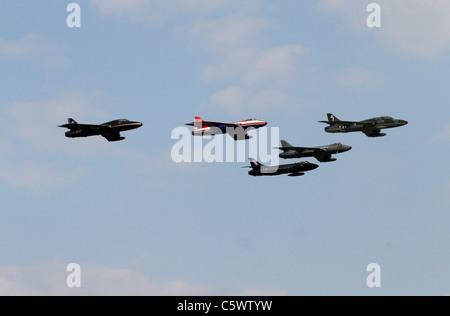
x=111, y=130
x=294, y=170
x=371, y=127
x=322, y=153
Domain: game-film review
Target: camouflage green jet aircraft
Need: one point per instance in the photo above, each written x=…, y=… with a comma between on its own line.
x=371, y=127
x=322, y=153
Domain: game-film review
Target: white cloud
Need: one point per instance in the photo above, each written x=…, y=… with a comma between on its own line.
x=230, y=32
x=29, y=46
x=36, y=121
x=30, y=131
x=258, y=75
x=415, y=27
x=232, y=98
x=34, y=48
x=234, y=36
x=49, y=279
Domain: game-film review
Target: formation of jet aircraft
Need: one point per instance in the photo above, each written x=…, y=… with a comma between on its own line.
x=239, y=131
x=371, y=127
x=110, y=130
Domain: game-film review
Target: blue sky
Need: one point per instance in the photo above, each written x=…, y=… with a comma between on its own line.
x=137, y=223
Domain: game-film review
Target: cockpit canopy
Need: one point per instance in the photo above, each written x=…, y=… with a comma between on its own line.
x=252, y=119
x=117, y=122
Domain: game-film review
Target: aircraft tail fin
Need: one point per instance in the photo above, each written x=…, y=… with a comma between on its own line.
x=198, y=123
x=285, y=144
x=332, y=118
x=255, y=164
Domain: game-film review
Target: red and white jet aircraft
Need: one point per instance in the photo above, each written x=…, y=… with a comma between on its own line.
x=237, y=130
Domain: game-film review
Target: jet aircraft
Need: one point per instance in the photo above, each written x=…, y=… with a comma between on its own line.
x=371, y=127
x=322, y=153
x=237, y=130
x=294, y=170
x=110, y=130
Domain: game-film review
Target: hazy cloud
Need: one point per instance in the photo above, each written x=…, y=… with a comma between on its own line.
x=50, y=279
x=255, y=74
x=234, y=36
x=33, y=48
x=30, y=130
x=29, y=46
x=415, y=27
x=36, y=121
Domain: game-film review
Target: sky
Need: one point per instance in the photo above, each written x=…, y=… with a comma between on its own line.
x=137, y=223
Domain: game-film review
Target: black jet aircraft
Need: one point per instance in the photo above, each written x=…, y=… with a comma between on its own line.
x=371, y=127
x=294, y=170
x=111, y=130
x=322, y=153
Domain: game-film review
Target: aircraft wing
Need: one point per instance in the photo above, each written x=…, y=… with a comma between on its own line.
x=317, y=150
x=113, y=136
x=296, y=174
x=372, y=132
x=321, y=155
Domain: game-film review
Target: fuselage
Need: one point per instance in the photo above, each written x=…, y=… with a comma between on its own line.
x=85, y=130
x=309, y=152
x=282, y=169
x=383, y=122
x=243, y=126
